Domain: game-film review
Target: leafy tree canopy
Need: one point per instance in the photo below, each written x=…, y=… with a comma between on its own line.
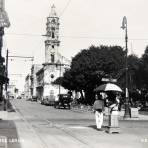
x=144, y=68
x=90, y=65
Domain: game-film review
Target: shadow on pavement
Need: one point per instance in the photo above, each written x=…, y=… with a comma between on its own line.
x=8, y=135
x=94, y=127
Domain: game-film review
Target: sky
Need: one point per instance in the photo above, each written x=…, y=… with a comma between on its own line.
x=82, y=23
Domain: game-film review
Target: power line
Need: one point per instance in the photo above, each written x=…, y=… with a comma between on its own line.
x=23, y=34
x=16, y=74
x=66, y=6
x=80, y=37
x=21, y=57
x=102, y=38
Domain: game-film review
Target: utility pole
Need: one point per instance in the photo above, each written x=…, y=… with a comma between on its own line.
x=127, y=110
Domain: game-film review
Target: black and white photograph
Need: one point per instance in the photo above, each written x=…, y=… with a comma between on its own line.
x=73, y=74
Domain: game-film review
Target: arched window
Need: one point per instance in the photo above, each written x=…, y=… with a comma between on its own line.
x=52, y=58
x=53, y=35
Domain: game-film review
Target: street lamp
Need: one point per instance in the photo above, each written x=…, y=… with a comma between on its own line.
x=127, y=111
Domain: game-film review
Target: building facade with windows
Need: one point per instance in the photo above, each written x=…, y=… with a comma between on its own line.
x=27, y=89
x=34, y=69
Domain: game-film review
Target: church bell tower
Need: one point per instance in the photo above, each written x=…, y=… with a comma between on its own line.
x=55, y=64
x=51, y=67
x=52, y=42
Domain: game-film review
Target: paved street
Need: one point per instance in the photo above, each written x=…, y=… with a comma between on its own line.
x=40, y=126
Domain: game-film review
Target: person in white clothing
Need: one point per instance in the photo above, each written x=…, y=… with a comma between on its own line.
x=99, y=119
x=98, y=110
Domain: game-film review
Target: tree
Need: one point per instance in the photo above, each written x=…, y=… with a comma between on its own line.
x=144, y=68
x=134, y=75
x=90, y=65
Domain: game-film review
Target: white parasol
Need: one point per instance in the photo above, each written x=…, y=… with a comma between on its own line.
x=108, y=87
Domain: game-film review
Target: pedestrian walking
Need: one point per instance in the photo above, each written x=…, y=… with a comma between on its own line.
x=98, y=110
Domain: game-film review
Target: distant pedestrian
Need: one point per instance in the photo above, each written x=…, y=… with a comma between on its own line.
x=98, y=110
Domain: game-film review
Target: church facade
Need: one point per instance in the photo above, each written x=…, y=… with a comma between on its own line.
x=55, y=64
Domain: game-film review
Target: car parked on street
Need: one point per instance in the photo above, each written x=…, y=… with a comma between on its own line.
x=64, y=101
x=19, y=97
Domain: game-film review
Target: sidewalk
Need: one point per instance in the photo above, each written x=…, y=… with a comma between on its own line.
x=8, y=131
x=15, y=132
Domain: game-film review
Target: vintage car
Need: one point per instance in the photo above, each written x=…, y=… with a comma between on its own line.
x=63, y=101
x=19, y=97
